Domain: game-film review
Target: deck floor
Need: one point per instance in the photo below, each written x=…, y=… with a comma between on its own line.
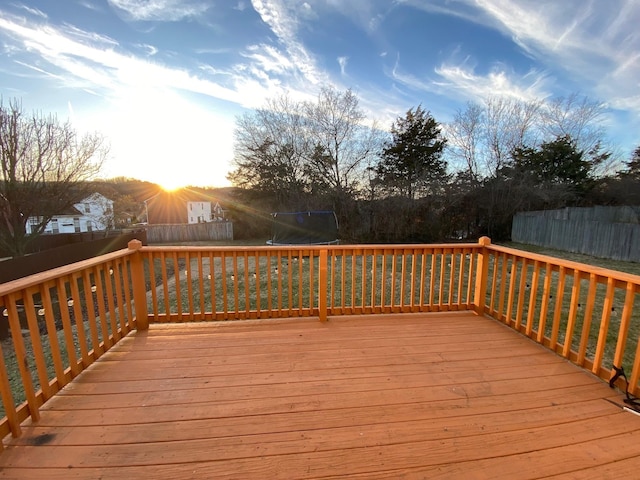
x=431, y=396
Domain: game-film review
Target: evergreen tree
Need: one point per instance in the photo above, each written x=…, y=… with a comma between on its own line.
x=411, y=163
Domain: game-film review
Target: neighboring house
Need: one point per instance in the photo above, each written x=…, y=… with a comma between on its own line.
x=218, y=214
x=91, y=214
x=198, y=212
x=202, y=212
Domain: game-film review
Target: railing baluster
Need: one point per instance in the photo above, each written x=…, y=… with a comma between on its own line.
x=557, y=314
x=452, y=269
x=76, y=299
x=52, y=337
x=625, y=322
x=470, y=281
x=524, y=273
x=189, y=284
x=112, y=313
x=588, y=315
x=66, y=327
x=604, y=326
x=461, y=270
x=322, y=285
x=441, y=282
x=533, y=296
x=511, y=292
x=573, y=313
x=22, y=358
x=503, y=287
x=544, y=308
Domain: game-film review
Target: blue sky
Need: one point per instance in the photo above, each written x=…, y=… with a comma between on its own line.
x=163, y=80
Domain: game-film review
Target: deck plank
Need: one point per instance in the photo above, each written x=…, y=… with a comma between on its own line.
x=450, y=395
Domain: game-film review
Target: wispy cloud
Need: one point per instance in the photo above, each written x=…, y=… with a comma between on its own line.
x=32, y=11
x=594, y=41
x=86, y=59
x=462, y=81
x=283, y=18
x=160, y=10
x=342, y=61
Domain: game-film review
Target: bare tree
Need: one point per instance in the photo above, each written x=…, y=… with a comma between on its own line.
x=483, y=136
x=44, y=165
x=270, y=150
x=464, y=138
x=508, y=124
x=577, y=117
x=343, y=144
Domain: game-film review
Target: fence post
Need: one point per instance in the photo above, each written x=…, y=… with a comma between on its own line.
x=139, y=290
x=322, y=286
x=482, y=274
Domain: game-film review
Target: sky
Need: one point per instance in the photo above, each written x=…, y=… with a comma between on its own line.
x=165, y=80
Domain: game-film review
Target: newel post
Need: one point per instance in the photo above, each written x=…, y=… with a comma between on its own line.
x=139, y=290
x=322, y=286
x=482, y=272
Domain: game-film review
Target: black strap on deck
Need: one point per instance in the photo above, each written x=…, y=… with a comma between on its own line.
x=631, y=401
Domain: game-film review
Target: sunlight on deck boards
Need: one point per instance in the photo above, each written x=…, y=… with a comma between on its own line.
x=450, y=395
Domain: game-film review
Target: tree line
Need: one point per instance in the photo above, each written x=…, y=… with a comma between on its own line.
x=422, y=180
x=418, y=181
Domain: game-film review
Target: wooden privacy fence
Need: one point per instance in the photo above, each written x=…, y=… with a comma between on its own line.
x=195, y=232
x=64, y=319
x=606, y=232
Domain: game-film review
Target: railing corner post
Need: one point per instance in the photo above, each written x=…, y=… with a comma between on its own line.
x=139, y=290
x=134, y=244
x=322, y=286
x=481, y=275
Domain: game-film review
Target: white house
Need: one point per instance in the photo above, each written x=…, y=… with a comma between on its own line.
x=202, y=212
x=94, y=213
x=198, y=212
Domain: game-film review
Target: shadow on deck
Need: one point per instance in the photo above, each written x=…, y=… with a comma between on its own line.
x=448, y=395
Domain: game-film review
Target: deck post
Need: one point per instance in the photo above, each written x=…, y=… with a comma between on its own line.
x=482, y=272
x=322, y=286
x=139, y=290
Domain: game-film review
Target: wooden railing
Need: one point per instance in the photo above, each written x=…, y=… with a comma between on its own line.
x=200, y=283
x=587, y=314
x=60, y=321
x=63, y=320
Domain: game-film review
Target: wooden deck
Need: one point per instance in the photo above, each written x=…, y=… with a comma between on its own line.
x=431, y=396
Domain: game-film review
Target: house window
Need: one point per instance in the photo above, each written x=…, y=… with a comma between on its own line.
x=54, y=226
x=76, y=225
x=89, y=227
x=87, y=208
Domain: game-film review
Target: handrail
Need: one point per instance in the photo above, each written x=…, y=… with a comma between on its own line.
x=64, y=319
x=202, y=283
x=60, y=322
x=589, y=315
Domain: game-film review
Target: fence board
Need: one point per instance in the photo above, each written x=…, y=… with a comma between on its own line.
x=606, y=232
x=170, y=233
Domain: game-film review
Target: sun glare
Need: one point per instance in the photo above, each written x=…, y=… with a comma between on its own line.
x=170, y=188
x=170, y=184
